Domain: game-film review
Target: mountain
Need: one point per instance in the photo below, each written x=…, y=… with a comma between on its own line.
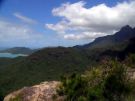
x=121, y=54
x=18, y=50
x=51, y=63
x=117, y=40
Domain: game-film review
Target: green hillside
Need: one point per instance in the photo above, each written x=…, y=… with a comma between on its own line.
x=46, y=64
x=9, y=61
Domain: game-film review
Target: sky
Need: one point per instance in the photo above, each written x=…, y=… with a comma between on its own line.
x=43, y=23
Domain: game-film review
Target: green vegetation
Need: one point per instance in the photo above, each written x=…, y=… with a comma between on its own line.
x=8, y=61
x=17, y=98
x=109, y=82
x=130, y=61
x=46, y=64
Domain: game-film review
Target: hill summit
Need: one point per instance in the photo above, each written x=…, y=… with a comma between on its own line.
x=124, y=34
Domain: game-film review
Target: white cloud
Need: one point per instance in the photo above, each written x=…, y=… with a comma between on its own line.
x=59, y=27
x=24, y=18
x=98, y=20
x=83, y=35
x=19, y=35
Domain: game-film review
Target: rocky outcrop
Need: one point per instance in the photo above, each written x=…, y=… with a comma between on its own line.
x=45, y=91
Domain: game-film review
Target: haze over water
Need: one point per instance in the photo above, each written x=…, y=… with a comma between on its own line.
x=10, y=55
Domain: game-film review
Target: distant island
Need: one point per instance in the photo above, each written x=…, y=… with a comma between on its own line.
x=18, y=50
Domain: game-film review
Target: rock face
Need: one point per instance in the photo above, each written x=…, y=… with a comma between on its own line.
x=45, y=91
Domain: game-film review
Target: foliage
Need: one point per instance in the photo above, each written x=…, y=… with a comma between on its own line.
x=110, y=83
x=1, y=97
x=130, y=60
x=17, y=98
x=46, y=64
x=117, y=84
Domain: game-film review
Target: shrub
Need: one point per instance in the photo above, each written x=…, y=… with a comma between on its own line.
x=130, y=60
x=109, y=82
x=74, y=86
x=117, y=85
x=82, y=98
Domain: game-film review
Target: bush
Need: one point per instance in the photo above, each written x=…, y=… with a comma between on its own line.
x=117, y=84
x=1, y=96
x=109, y=82
x=74, y=86
x=130, y=60
x=82, y=98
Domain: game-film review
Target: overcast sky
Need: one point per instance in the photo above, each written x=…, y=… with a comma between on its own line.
x=42, y=23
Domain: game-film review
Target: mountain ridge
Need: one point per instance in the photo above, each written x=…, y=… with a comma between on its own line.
x=125, y=33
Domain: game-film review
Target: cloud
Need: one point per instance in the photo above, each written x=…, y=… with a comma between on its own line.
x=12, y=34
x=83, y=35
x=59, y=27
x=24, y=18
x=96, y=21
